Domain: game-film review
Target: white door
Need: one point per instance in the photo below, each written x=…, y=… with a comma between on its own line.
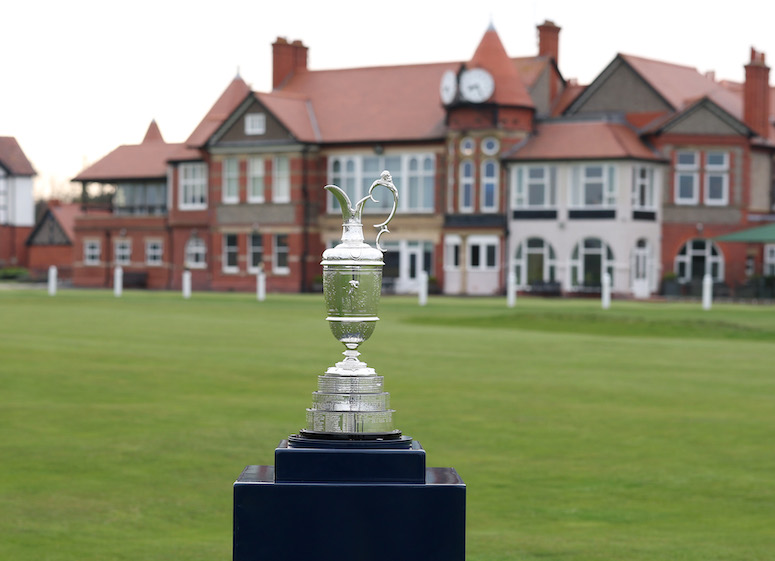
x=641, y=265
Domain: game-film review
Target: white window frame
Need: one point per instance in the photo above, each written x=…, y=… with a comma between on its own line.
x=195, y=247
x=687, y=170
x=230, y=251
x=92, y=252
x=256, y=180
x=467, y=146
x=487, y=180
x=281, y=179
x=122, y=252
x=720, y=171
x=643, y=188
x=251, y=251
x=523, y=183
x=607, y=261
x=414, y=175
x=490, y=145
x=193, y=186
x=521, y=253
x=482, y=243
x=230, y=181
x=769, y=259
x=582, y=181
x=154, y=252
x=452, y=252
x=466, y=186
x=278, y=269
x=255, y=123
x=712, y=254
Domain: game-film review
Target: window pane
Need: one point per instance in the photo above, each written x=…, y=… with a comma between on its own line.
x=491, y=256
x=475, y=249
x=715, y=187
x=535, y=194
x=686, y=158
x=593, y=194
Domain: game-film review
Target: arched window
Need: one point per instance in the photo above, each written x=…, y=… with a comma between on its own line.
x=534, y=262
x=489, y=186
x=590, y=259
x=196, y=253
x=466, y=192
x=698, y=257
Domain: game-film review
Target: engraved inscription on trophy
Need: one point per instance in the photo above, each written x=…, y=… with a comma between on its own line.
x=350, y=402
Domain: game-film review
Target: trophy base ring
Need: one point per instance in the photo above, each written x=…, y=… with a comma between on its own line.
x=314, y=439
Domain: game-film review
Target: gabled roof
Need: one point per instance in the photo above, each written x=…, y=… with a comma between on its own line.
x=362, y=104
x=582, y=140
x=297, y=114
x=682, y=85
x=234, y=94
x=137, y=161
x=665, y=122
x=65, y=215
x=491, y=55
x=12, y=157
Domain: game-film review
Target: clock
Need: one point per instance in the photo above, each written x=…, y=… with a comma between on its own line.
x=448, y=88
x=476, y=85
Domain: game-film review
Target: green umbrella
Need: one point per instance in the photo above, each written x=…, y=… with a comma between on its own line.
x=759, y=234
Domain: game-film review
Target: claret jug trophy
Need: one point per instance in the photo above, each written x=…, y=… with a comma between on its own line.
x=350, y=404
x=350, y=485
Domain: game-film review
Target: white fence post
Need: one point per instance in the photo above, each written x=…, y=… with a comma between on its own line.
x=511, y=289
x=261, y=284
x=423, y=292
x=606, y=293
x=707, y=292
x=52, y=280
x=118, y=281
x=186, y=284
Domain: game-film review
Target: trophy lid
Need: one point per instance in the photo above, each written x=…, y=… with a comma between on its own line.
x=353, y=247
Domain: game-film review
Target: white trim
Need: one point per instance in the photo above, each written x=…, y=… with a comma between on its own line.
x=122, y=251
x=230, y=179
x=687, y=170
x=255, y=123
x=195, y=247
x=484, y=179
x=150, y=253
x=483, y=244
x=466, y=184
x=92, y=256
x=192, y=188
x=257, y=172
x=281, y=180
x=227, y=250
x=278, y=269
x=251, y=268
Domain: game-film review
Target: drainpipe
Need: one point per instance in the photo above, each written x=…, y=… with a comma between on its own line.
x=305, y=219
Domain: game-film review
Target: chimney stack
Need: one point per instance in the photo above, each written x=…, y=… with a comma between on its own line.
x=287, y=58
x=756, y=94
x=549, y=41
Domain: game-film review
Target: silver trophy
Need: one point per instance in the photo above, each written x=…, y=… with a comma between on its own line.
x=350, y=403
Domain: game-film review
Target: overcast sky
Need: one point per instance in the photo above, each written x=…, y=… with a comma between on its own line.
x=80, y=77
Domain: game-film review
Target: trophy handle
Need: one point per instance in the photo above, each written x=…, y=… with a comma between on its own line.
x=386, y=180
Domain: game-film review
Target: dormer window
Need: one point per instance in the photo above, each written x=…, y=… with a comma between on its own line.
x=255, y=123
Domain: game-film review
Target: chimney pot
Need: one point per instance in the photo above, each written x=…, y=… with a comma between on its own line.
x=756, y=98
x=287, y=59
x=549, y=40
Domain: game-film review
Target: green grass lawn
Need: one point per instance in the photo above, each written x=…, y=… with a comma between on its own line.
x=646, y=432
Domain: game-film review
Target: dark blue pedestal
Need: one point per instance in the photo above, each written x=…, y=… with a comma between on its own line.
x=329, y=504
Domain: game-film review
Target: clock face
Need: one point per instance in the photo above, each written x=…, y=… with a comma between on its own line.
x=476, y=85
x=448, y=87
